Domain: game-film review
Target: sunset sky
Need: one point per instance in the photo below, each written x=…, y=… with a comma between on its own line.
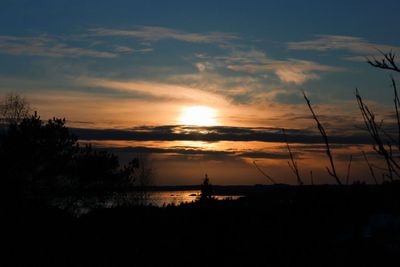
x=205, y=86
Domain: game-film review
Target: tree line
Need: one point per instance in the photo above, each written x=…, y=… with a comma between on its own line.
x=42, y=160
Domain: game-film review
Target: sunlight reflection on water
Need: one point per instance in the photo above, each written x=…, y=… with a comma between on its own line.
x=161, y=198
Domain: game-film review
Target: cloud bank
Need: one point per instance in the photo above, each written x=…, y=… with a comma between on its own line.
x=215, y=134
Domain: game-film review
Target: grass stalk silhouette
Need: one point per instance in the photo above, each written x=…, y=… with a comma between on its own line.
x=348, y=170
x=332, y=171
x=375, y=131
x=263, y=173
x=292, y=163
x=371, y=170
x=396, y=105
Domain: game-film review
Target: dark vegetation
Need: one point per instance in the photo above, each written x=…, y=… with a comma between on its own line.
x=46, y=177
x=280, y=226
x=42, y=161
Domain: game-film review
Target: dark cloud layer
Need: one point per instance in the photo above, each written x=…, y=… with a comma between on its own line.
x=214, y=134
x=200, y=152
x=265, y=155
x=141, y=149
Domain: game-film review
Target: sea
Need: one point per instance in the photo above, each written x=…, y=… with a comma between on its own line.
x=164, y=198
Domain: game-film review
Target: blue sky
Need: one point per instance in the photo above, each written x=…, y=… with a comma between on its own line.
x=72, y=29
x=125, y=64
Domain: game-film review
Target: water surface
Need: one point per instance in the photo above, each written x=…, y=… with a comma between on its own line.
x=163, y=198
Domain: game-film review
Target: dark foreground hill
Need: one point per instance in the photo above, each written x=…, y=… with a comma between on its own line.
x=286, y=226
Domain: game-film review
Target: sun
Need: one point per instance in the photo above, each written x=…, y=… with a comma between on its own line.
x=199, y=116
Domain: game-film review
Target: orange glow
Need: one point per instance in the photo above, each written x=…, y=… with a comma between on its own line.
x=236, y=165
x=199, y=116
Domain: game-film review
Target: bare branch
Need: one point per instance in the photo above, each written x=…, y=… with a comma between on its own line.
x=371, y=170
x=375, y=130
x=14, y=108
x=321, y=129
x=387, y=62
x=396, y=105
x=348, y=170
x=292, y=166
x=263, y=173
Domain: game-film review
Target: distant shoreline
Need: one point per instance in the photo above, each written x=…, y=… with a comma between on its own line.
x=240, y=189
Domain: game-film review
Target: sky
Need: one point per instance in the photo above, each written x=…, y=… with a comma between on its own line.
x=206, y=86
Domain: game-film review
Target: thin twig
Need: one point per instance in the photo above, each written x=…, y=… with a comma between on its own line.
x=263, y=173
x=387, y=62
x=321, y=129
x=374, y=130
x=292, y=166
x=396, y=105
x=371, y=170
x=348, y=170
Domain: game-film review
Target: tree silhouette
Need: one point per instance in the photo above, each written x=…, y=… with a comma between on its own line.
x=206, y=189
x=14, y=108
x=33, y=153
x=42, y=160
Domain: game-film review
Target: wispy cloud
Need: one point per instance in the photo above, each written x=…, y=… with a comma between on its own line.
x=289, y=70
x=158, y=90
x=150, y=33
x=126, y=49
x=212, y=81
x=46, y=47
x=340, y=42
x=61, y=46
